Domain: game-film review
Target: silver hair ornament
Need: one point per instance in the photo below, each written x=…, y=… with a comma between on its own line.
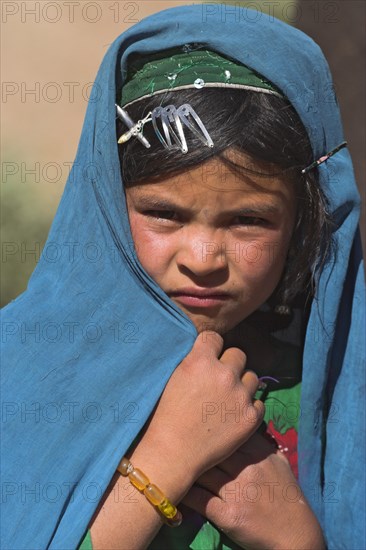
x=135, y=129
x=171, y=121
x=168, y=123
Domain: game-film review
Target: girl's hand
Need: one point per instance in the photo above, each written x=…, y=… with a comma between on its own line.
x=206, y=410
x=254, y=498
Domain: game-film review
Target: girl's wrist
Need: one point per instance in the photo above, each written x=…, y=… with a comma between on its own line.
x=165, y=468
x=306, y=537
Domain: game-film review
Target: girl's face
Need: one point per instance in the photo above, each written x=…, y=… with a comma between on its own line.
x=215, y=240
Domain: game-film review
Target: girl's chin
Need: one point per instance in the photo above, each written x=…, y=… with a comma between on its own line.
x=217, y=320
x=220, y=325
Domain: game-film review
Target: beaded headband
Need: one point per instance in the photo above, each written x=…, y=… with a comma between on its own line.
x=193, y=69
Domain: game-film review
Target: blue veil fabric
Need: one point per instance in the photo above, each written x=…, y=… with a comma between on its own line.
x=89, y=347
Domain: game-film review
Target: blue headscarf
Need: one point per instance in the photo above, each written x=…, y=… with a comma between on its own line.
x=89, y=347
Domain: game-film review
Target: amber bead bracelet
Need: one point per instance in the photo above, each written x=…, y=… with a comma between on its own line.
x=154, y=495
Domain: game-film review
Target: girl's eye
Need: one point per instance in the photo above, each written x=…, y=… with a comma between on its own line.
x=249, y=220
x=161, y=214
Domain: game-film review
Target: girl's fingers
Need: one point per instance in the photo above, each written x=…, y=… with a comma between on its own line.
x=205, y=503
x=256, y=449
x=250, y=381
x=228, y=471
x=208, y=343
x=260, y=409
x=214, y=481
x=234, y=358
x=257, y=444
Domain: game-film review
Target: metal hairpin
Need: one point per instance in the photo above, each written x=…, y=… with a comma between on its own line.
x=324, y=158
x=172, y=121
x=170, y=116
x=135, y=129
x=184, y=111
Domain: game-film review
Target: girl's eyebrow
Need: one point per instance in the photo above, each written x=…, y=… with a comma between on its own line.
x=150, y=201
x=153, y=202
x=258, y=209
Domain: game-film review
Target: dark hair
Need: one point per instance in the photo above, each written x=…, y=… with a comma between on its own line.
x=262, y=125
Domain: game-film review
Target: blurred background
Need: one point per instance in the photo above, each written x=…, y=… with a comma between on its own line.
x=50, y=53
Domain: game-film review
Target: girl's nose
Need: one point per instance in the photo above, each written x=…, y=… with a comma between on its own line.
x=202, y=257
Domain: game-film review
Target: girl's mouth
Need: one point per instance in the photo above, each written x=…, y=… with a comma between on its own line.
x=200, y=300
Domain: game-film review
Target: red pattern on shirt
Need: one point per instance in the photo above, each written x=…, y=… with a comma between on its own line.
x=287, y=443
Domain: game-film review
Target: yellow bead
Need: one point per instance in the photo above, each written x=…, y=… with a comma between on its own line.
x=167, y=508
x=124, y=466
x=154, y=495
x=138, y=479
x=176, y=520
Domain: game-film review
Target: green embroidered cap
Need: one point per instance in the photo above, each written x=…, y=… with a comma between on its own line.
x=180, y=69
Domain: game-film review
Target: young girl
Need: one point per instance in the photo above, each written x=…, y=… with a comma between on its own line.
x=218, y=273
